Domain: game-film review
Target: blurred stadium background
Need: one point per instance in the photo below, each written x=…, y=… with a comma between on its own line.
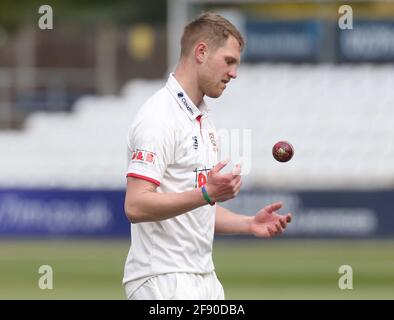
x=68, y=95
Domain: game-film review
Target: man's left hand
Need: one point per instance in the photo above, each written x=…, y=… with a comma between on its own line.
x=267, y=223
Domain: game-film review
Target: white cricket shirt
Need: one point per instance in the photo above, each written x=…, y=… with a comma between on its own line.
x=172, y=143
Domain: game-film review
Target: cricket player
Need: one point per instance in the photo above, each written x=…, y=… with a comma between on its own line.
x=174, y=179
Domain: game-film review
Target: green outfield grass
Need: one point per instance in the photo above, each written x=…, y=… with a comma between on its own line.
x=266, y=269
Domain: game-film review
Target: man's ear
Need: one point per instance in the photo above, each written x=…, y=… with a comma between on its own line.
x=200, y=52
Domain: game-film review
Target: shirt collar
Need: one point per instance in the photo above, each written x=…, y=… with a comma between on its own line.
x=183, y=99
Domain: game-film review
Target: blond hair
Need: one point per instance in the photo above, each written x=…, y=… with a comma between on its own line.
x=210, y=28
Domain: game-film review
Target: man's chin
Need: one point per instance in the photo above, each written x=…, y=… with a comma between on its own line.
x=215, y=94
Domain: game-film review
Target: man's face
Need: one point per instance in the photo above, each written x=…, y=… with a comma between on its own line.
x=219, y=68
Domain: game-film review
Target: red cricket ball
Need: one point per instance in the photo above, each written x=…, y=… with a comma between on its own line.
x=283, y=151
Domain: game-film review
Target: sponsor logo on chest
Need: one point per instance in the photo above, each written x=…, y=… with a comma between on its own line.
x=213, y=141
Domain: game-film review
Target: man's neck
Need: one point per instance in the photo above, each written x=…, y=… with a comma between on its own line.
x=189, y=83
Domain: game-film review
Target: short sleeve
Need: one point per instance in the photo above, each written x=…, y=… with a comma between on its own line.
x=150, y=149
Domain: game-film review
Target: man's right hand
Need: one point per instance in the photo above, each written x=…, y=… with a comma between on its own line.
x=222, y=187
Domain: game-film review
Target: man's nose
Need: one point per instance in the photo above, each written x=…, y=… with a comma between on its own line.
x=233, y=73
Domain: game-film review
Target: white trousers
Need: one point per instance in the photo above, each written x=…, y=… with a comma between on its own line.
x=178, y=286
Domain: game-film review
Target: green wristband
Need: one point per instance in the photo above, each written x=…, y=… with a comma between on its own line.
x=206, y=196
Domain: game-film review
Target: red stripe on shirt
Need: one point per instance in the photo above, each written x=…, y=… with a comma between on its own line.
x=199, y=119
x=138, y=176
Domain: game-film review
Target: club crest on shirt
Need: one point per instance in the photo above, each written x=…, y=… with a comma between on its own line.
x=143, y=156
x=201, y=175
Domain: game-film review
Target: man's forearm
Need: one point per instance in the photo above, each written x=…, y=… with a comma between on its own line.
x=154, y=206
x=227, y=222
